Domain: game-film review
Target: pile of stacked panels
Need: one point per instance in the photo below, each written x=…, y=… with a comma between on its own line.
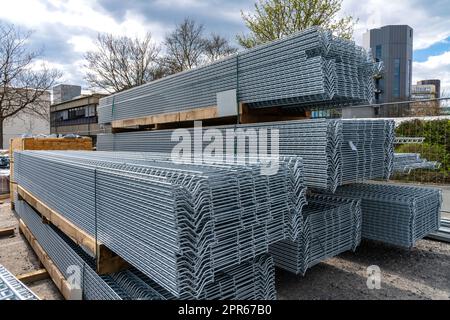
x=234, y=283
x=407, y=162
x=308, y=69
x=331, y=225
x=182, y=225
x=398, y=215
x=13, y=289
x=334, y=152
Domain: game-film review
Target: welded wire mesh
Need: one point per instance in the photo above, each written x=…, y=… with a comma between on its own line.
x=179, y=224
x=331, y=225
x=394, y=214
x=13, y=289
x=308, y=68
x=334, y=152
x=252, y=280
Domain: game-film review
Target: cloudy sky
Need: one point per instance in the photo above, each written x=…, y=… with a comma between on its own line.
x=65, y=29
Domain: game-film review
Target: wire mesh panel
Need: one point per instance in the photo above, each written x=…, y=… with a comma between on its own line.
x=179, y=224
x=308, y=68
x=13, y=289
x=251, y=280
x=331, y=225
x=334, y=152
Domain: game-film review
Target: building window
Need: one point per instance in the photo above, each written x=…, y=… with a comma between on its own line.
x=408, y=78
x=396, y=85
x=378, y=53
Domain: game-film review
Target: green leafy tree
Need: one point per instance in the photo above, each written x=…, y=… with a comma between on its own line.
x=274, y=19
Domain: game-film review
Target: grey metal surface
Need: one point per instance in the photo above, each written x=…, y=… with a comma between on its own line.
x=252, y=280
x=178, y=224
x=443, y=234
x=398, y=215
x=13, y=289
x=408, y=162
x=331, y=225
x=306, y=69
x=334, y=152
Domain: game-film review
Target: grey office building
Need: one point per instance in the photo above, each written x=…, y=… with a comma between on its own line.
x=393, y=45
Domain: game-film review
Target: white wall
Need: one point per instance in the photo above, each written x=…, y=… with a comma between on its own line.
x=23, y=123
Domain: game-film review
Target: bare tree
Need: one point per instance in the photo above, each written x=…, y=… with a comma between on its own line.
x=185, y=47
x=120, y=63
x=217, y=47
x=24, y=86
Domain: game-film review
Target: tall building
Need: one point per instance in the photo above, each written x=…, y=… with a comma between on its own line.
x=393, y=45
x=433, y=82
x=65, y=92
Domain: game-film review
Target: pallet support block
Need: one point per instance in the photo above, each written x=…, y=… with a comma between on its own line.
x=107, y=261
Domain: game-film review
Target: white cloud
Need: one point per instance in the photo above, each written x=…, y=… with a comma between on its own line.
x=436, y=67
x=82, y=43
x=75, y=13
x=429, y=27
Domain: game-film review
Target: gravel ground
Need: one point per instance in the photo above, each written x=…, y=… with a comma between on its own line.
x=421, y=273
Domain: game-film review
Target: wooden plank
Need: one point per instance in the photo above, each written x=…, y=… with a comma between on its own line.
x=4, y=196
x=58, y=278
x=33, y=276
x=249, y=115
x=7, y=232
x=186, y=115
x=107, y=261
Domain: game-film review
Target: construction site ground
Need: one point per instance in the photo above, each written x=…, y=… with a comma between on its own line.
x=420, y=273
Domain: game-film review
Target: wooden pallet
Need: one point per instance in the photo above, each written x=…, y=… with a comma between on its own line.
x=58, y=278
x=107, y=261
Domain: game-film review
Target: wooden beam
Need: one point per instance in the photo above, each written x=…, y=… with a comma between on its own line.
x=33, y=276
x=174, y=117
x=107, y=261
x=6, y=232
x=58, y=278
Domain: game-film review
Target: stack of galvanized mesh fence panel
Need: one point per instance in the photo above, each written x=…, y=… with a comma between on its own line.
x=395, y=214
x=334, y=152
x=179, y=224
x=253, y=279
x=331, y=225
x=307, y=69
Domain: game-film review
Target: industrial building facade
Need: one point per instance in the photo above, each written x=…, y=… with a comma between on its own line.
x=392, y=45
x=77, y=116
